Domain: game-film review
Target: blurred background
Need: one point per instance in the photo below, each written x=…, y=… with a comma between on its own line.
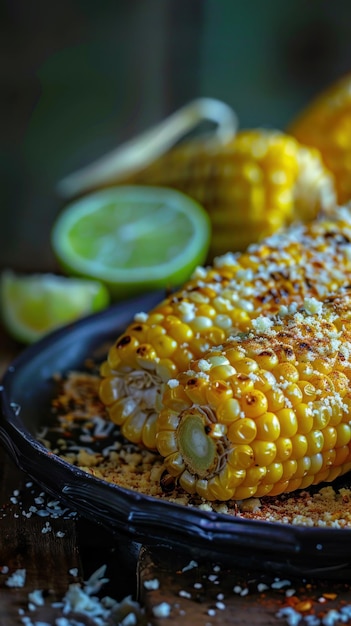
x=79, y=77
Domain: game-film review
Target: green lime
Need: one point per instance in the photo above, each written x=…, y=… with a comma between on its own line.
x=132, y=238
x=33, y=305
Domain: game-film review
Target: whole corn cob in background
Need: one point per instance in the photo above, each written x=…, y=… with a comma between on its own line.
x=326, y=125
x=252, y=183
x=266, y=413
x=251, y=187
x=309, y=260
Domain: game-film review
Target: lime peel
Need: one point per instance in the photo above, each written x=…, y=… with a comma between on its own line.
x=33, y=305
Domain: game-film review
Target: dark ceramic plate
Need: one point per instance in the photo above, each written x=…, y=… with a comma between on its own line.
x=26, y=393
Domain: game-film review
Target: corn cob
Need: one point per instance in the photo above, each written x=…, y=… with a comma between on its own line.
x=326, y=125
x=251, y=187
x=266, y=413
x=252, y=183
x=309, y=260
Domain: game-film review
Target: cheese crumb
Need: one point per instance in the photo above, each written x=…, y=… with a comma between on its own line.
x=312, y=306
x=162, y=610
x=262, y=323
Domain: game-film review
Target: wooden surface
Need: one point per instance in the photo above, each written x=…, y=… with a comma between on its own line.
x=62, y=548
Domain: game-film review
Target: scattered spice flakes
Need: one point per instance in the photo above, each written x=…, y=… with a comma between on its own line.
x=82, y=434
x=218, y=592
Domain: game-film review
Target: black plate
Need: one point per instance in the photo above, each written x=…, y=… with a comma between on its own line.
x=26, y=393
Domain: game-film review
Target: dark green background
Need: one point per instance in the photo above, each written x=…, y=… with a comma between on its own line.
x=79, y=77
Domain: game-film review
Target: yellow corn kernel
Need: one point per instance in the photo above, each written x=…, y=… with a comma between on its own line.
x=228, y=410
x=300, y=446
x=325, y=125
x=290, y=468
x=268, y=427
x=241, y=456
x=284, y=447
x=218, y=391
x=188, y=482
x=242, y=431
x=254, y=403
x=252, y=288
x=279, y=449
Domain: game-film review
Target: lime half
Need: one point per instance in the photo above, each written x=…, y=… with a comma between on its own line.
x=33, y=305
x=132, y=238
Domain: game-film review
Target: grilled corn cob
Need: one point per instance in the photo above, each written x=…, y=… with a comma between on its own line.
x=326, y=125
x=266, y=413
x=252, y=183
x=308, y=260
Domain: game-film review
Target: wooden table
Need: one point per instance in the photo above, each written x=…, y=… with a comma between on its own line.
x=58, y=551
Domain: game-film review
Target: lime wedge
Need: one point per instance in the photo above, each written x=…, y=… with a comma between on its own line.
x=133, y=238
x=33, y=305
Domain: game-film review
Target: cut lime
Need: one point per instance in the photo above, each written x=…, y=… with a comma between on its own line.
x=132, y=238
x=33, y=305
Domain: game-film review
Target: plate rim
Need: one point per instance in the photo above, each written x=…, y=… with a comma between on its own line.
x=183, y=526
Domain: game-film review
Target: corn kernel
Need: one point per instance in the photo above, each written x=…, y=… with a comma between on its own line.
x=109, y=390
x=305, y=418
x=241, y=457
x=303, y=466
x=228, y=410
x=268, y=427
x=284, y=448
x=133, y=425
x=264, y=452
x=180, y=332
x=330, y=438
x=242, y=431
x=308, y=390
x=289, y=469
x=315, y=440
x=288, y=422
x=343, y=434
x=218, y=391
x=274, y=473
x=299, y=444
x=246, y=366
x=286, y=371
x=316, y=463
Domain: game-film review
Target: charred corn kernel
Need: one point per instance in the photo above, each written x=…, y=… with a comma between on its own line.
x=254, y=403
x=293, y=268
x=325, y=125
x=218, y=390
x=286, y=371
x=267, y=360
x=278, y=450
